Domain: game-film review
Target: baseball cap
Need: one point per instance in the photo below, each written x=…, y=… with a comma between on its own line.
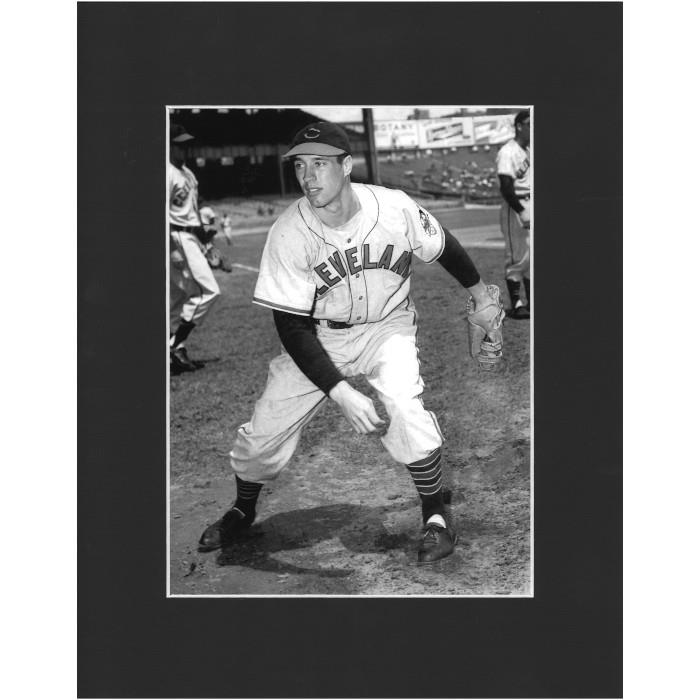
x=521, y=116
x=178, y=134
x=319, y=139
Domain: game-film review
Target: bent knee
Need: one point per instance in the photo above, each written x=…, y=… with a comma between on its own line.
x=404, y=406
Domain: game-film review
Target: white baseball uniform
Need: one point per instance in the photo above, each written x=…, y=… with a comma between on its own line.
x=358, y=274
x=513, y=160
x=193, y=288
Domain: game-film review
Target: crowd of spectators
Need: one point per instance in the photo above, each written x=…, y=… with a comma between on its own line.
x=460, y=173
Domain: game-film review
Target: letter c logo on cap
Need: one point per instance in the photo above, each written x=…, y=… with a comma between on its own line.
x=312, y=133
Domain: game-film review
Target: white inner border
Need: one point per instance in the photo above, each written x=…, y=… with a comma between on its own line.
x=167, y=360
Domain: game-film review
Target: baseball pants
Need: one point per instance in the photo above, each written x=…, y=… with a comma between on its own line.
x=517, y=241
x=193, y=288
x=385, y=353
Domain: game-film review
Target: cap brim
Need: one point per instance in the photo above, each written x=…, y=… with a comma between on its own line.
x=182, y=138
x=313, y=149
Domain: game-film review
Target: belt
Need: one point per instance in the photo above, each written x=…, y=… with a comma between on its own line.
x=335, y=325
x=523, y=196
x=186, y=229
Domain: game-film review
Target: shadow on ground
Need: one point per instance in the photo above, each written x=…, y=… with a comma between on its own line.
x=360, y=530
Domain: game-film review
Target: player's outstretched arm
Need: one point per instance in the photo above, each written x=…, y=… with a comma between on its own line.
x=484, y=309
x=457, y=262
x=357, y=408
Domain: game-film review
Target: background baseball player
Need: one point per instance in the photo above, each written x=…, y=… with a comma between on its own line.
x=336, y=271
x=513, y=166
x=193, y=288
x=216, y=259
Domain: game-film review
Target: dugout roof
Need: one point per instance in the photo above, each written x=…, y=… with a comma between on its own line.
x=240, y=126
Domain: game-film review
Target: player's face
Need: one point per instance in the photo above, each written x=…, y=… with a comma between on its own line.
x=321, y=178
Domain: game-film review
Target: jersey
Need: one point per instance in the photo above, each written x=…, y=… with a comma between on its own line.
x=513, y=160
x=356, y=273
x=182, y=196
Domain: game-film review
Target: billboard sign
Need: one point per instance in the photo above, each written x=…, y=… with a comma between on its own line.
x=423, y=133
x=445, y=133
x=395, y=134
x=496, y=129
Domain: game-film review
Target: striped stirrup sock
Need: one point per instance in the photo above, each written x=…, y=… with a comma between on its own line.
x=247, y=493
x=427, y=476
x=180, y=335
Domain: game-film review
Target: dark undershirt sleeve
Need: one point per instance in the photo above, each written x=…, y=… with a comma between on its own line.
x=298, y=337
x=508, y=192
x=457, y=262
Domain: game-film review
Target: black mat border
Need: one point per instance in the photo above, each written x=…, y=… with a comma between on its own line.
x=566, y=59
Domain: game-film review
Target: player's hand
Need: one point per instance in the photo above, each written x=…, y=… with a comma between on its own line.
x=357, y=408
x=481, y=296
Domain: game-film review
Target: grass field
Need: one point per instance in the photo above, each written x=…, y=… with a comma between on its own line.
x=343, y=518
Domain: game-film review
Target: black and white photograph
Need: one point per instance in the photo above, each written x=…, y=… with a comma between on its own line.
x=349, y=350
x=339, y=406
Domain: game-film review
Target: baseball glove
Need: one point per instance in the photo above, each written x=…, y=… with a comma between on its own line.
x=217, y=260
x=205, y=234
x=485, y=330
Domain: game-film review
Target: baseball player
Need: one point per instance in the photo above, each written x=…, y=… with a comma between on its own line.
x=193, y=288
x=336, y=272
x=513, y=166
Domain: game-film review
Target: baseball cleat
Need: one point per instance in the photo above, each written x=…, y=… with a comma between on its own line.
x=181, y=361
x=198, y=364
x=520, y=313
x=224, y=530
x=175, y=368
x=438, y=543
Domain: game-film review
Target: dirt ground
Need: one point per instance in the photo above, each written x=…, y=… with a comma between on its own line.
x=343, y=518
